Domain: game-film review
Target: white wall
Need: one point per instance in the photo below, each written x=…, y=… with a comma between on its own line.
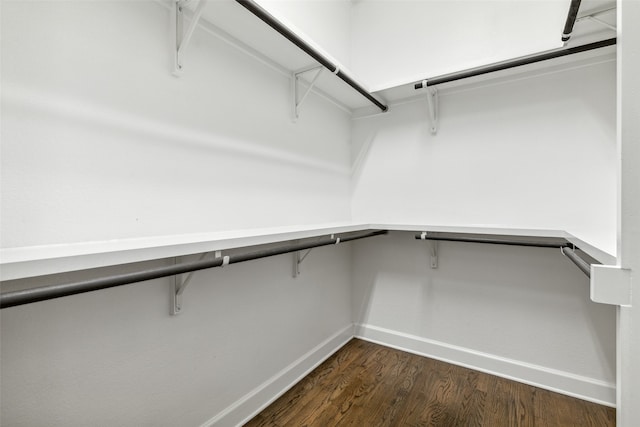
x=537, y=153
x=100, y=141
x=116, y=357
x=397, y=42
x=523, y=313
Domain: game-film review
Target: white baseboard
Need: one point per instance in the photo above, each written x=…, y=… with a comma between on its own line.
x=585, y=388
x=266, y=393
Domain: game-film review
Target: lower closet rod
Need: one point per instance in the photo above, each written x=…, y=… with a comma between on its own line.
x=565, y=247
x=494, y=241
x=584, y=266
x=27, y=296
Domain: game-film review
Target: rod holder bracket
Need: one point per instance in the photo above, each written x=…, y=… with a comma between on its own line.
x=610, y=284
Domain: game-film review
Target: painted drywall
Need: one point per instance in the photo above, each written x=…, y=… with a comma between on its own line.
x=100, y=141
x=523, y=313
x=116, y=357
x=397, y=42
x=537, y=153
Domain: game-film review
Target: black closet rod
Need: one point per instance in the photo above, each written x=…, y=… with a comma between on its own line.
x=512, y=242
x=584, y=266
x=27, y=296
x=526, y=60
x=565, y=247
x=571, y=20
x=270, y=20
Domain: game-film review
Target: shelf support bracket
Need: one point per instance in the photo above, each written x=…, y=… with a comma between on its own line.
x=181, y=36
x=295, y=78
x=432, y=103
x=434, y=249
x=434, y=254
x=179, y=283
x=297, y=260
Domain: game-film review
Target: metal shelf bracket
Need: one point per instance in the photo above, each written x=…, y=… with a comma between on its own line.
x=295, y=79
x=297, y=260
x=434, y=250
x=179, y=283
x=182, y=37
x=432, y=102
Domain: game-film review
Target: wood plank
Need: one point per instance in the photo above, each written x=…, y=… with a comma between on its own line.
x=365, y=384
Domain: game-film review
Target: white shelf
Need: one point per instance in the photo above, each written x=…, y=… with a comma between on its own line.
x=237, y=26
x=24, y=262
x=231, y=22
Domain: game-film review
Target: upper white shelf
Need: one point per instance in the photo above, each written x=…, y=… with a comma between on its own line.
x=234, y=24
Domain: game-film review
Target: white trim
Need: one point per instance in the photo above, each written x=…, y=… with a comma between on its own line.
x=581, y=387
x=266, y=393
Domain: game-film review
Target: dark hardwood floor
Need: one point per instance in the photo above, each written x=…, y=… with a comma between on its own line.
x=366, y=384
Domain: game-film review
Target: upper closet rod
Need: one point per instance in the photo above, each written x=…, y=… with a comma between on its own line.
x=525, y=60
x=270, y=20
x=27, y=296
x=571, y=19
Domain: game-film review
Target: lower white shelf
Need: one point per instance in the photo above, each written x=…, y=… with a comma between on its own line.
x=24, y=262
